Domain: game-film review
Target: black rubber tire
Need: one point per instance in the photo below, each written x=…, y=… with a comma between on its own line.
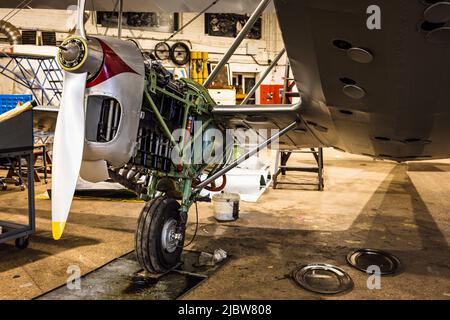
x=22, y=243
x=149, y=251
x=162, y=51
x=173, y=50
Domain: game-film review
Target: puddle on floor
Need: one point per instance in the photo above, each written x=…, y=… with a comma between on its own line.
x=123, y=279
x=170, y=286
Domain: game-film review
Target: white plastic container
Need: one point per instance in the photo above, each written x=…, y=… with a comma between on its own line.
x=226, y=206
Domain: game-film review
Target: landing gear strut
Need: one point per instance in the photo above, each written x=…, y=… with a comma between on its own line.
x=158, y=240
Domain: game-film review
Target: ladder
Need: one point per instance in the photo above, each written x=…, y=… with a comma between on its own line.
x=289, y=84
x=281, y=168
x=283, y=156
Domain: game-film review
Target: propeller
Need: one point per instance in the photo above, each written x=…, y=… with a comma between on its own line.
x=70, y=126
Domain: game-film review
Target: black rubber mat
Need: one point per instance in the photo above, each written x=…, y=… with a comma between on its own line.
x=123, y=279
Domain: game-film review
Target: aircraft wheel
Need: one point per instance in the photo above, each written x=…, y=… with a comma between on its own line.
x=158, y=248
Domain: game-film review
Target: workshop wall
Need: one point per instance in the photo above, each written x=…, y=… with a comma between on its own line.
x=194, y=35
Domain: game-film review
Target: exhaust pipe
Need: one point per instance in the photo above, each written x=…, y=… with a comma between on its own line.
x=12, y=33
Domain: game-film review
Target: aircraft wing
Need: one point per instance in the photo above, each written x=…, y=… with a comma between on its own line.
x=381, y=93
x=270, y=117
x=226, y=6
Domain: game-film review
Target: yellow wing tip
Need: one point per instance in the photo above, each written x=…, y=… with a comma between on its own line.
x=58, y=229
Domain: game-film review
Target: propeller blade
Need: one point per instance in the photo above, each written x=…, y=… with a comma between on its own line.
x=67, y=149
x=80, y=19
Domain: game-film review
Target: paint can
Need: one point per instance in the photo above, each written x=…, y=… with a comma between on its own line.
x=226, y=206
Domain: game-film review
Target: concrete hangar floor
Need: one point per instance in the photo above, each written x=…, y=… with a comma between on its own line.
x=401, y=208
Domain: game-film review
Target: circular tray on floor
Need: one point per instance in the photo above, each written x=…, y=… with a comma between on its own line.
x=323, y=278
x=361, y=259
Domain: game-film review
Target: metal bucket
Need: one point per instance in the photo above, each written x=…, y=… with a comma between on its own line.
x=226, y=206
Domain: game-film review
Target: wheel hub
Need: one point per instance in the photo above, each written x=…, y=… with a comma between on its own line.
x=169, y=236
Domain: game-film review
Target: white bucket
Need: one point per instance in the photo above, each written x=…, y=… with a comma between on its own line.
x=226, y=206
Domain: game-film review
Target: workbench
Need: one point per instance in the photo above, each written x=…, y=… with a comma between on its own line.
x=16, y=142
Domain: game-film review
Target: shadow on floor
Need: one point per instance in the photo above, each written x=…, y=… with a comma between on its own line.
x=414, y=237
x=11, y=257
x=428, y=167
x=107, y=222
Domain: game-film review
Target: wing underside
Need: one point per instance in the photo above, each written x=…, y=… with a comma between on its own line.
x=381, y=93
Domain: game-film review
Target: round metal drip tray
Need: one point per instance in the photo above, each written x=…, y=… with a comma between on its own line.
x=362, y=259
x=323, y=278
